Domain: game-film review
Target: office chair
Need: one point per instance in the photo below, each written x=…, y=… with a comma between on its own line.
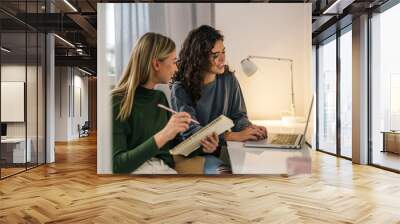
x=84, y=130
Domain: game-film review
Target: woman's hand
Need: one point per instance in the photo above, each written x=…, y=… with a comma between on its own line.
x=262, y=129
x=252, y=132
x=210, y=143
x=178, y=122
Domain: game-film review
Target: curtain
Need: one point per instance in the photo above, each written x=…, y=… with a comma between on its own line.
x=131, y=22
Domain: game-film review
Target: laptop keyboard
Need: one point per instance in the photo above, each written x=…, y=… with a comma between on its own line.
x=284, y=139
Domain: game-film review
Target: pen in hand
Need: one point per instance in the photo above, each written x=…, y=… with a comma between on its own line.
x=174, y=112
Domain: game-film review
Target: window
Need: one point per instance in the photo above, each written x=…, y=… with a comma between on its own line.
x=326, y=85
x=346, y=93
x=110, y=39
x=334, y=63
x=385, y=85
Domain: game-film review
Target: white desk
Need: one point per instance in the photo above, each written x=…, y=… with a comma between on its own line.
x=18, y=150
x=247, y=160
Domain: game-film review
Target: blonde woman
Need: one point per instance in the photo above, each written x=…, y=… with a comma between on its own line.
x=143, y=134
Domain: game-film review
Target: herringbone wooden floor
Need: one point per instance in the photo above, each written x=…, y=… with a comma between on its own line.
x=70, y=191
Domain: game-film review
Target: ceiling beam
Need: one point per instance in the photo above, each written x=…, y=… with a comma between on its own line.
x=84, y=24
x=82, y=61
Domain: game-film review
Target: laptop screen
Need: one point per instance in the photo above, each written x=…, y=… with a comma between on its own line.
x=3, y=129
x=308, y=119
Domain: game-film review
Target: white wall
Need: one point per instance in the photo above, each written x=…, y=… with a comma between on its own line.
x=61, y=103
x=79, y=117
x=104, y=83
x=84, y=84
x=50, y=95
x=33, y=126
x=12, y=101
x=176, y=20
x=173, y=26
x=14, y=73
x=17, y=73
x=67, y=115
x=276, y=30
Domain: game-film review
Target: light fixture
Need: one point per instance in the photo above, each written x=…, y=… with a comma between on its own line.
x=64, y=40
x=84, y=71
x=5, y=50
x=249, y=68
x=70, y=5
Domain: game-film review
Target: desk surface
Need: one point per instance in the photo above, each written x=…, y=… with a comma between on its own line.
x=248, y=160
x=13, y=140
x=391, y=132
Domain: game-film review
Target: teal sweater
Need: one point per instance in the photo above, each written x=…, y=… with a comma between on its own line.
x=133, y=139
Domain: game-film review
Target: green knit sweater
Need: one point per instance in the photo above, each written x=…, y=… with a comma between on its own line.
x=133, y=139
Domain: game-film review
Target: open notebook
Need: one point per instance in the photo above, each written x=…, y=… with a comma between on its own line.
x=219, y=126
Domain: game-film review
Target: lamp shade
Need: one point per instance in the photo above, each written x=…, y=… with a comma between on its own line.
x=248, y=67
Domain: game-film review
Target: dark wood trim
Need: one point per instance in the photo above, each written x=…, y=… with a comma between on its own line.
x=385, y=6
x=26, y=90
x=37, y=94
x=333, y=154
x=338, y=117
x=22, y=171
x=340, y=24
x=0, y=90
x=330, y=153
x=369, y=96
x=385, y=168
x=317, y=96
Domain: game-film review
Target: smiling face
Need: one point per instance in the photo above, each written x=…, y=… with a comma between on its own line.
x=217, y=58
x=165, y=69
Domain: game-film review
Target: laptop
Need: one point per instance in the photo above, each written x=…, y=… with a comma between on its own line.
x=286, y=141
x=3, y=131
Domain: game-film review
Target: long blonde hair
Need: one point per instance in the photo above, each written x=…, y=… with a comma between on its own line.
x=139, y=69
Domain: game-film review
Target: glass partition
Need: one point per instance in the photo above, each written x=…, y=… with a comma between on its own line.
x=14, y=143
x=22, y=90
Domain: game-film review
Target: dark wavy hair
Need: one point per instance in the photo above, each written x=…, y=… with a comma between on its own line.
x=194, y=59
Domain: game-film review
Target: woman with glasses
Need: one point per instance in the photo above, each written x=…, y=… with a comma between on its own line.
x=205, y=88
